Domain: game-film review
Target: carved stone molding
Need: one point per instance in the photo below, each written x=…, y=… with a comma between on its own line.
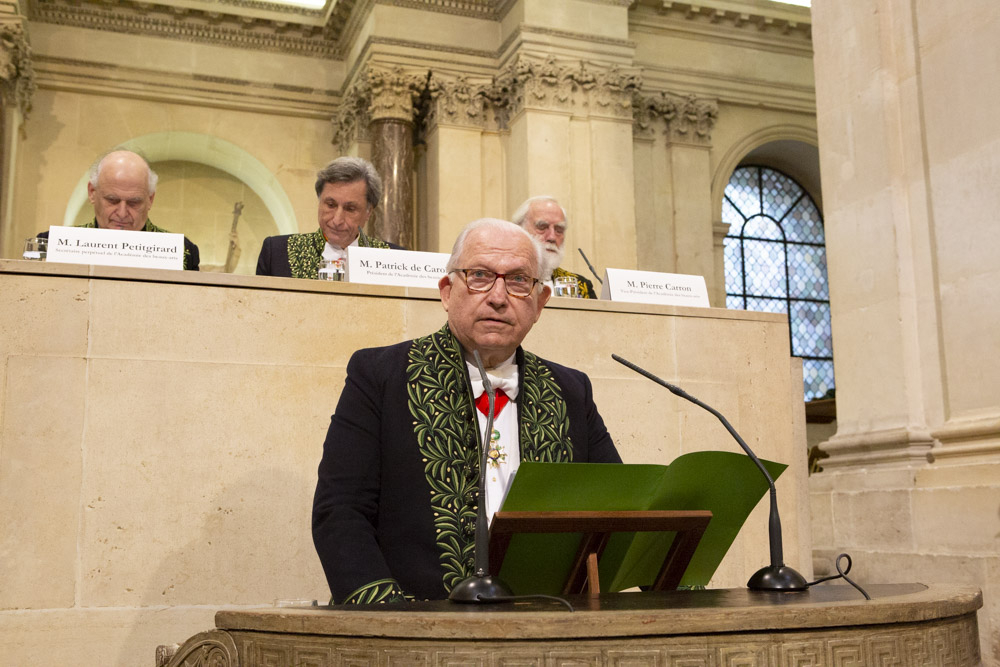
x=238, y=23
x=953, y=641
x=577, y=87
x=351, y=121
x=378, y=93
x=527, y=83
x=871, y=448
x=206, y=649
x=786, y=20
x=17, y=76
x=685, y=118
x=459, y=100
x=487, y=9
x=971, y=437
x=88, y=77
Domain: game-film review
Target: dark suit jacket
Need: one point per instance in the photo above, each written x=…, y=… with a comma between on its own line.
x=273, y=258
x=377, y=512
x=191, y=256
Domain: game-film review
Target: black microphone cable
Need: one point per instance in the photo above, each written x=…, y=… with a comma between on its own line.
x=842, y=574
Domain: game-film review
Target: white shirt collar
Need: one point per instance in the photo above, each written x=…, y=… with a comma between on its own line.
x=504, y=376
x=331, y=251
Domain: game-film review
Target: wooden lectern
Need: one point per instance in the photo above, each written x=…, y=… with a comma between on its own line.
x=597, y=528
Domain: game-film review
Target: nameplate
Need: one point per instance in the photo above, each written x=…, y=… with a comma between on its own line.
x=116, y=247
x=665, y=289
x=403, y=268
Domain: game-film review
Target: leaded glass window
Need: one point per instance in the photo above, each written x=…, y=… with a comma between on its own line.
x=776, y=262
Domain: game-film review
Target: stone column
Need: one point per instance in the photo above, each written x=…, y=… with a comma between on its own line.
x=393, y=93
x=570, y=126
x=392, y=155
x=462, y=143
x=678, y=235
x=909, y=161
x=906, y=95
x=17, y=84
x=379, y=108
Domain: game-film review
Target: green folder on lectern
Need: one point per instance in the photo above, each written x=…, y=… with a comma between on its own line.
x=727, y=484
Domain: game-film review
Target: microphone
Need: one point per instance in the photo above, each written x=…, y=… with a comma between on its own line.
x=481, y=586
x=590, y=266
x=777, y=576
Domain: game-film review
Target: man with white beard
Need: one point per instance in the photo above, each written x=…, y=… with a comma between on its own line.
x=544, y=218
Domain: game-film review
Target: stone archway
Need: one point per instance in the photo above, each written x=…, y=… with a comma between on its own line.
x=211, y=151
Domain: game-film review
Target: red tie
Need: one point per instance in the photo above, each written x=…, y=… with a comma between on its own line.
x=483, y=402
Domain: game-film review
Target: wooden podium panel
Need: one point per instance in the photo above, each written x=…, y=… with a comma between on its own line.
x=904, y=624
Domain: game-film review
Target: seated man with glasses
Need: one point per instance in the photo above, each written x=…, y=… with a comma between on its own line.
x=394, y=516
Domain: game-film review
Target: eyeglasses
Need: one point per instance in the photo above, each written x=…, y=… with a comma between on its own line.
x=480, y=280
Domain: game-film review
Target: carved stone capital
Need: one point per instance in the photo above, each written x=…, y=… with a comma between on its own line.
x=393, y=92
x=458, y=100
x=350, y=124
x=17, y=76
x=377, y=94
x=577, y=87
x=353, y=117
x=685, y=118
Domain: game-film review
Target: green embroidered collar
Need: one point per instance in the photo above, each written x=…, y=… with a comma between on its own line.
x=441, y=403
x=305, y=251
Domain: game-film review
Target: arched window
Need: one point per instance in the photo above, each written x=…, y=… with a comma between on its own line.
x=776, y=262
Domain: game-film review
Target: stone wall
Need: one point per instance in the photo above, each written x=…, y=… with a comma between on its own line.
x=910, y=152
x=160, y=435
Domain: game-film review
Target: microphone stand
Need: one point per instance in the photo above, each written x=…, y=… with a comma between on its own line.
x=776, y=576
x=481, y=586
x=590, y=266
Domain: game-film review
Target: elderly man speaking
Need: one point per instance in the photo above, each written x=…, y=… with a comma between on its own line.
x=394, y=516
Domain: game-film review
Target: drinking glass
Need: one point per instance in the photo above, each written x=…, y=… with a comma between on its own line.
x=35, y=249
x=331, y=269
x=566, y=286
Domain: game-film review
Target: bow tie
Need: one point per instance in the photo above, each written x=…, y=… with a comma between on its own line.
x=502, y=378
x=483, y=403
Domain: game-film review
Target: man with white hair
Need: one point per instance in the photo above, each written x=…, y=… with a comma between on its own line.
x=546, y=219
x=394, y=515
x=121, y=189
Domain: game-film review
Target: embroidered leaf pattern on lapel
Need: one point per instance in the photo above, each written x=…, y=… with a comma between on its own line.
x=446, y=434
x=304, y=251
x=377, y=592
x=544, y=426
x=366, y=241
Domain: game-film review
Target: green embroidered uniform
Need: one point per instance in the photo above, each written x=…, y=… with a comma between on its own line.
x=305, y=251
x=395, y=509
